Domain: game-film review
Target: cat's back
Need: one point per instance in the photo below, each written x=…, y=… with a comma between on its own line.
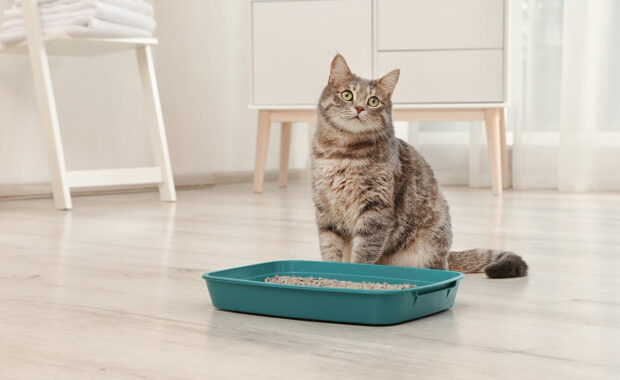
x=414, y=168
x=418, y=190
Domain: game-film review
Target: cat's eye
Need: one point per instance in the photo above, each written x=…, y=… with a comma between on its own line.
x=373, y=102
x=346, y=95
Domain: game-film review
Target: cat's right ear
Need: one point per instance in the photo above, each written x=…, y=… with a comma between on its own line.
x=339, y=70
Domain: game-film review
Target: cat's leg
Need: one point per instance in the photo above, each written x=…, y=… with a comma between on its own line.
x=368, y=240
x=367, y=249
x=332, y=245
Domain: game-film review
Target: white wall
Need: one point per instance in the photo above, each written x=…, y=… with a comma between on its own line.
x=202, y=67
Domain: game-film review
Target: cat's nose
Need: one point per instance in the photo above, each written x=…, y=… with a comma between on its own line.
x=359, y=109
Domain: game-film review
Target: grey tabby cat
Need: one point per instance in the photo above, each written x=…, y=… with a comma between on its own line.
x=376, y=198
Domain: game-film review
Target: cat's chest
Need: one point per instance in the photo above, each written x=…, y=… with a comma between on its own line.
x=344, y=187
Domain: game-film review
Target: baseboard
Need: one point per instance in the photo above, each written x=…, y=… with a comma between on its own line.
x=223, y=178
x=44, y=190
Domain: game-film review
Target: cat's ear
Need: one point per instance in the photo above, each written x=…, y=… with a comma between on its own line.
x=388, y=81
x=339, y=70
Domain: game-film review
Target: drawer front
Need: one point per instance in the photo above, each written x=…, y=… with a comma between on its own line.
x=295, y=41
x=440, y=24
x=449, y=76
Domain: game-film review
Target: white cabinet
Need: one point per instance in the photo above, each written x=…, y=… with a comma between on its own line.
x=452, y=56
x=450, y=52
x=295, y=41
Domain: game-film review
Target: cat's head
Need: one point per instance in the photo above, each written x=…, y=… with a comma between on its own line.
x=355, y=104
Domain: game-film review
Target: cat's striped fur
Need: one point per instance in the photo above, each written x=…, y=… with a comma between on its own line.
x=376, y=198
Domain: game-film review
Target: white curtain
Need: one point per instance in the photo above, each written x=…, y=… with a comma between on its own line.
x=566, y=96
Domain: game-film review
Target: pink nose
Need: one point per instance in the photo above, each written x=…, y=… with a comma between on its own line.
x=359, y=109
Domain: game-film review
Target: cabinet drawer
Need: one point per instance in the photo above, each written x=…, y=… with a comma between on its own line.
x=440, y=24
x=295, y=41
x=450, y=76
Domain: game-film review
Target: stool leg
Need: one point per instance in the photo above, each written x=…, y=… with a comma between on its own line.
x=47, y=106
x=262, y=140
x=504, y=149
x=493, y=140
x=157, y=131
x=285, y=148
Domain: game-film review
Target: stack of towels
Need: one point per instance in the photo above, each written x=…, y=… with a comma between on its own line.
x=82, y=18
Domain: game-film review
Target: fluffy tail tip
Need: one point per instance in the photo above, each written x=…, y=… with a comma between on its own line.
x=508, y=266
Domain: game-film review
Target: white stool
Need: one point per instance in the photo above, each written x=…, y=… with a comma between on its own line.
x=38, y=46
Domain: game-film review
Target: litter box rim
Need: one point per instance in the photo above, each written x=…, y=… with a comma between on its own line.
x=418, y=289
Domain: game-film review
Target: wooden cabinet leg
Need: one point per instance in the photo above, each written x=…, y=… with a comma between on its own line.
x=262, y=139
x=502, y=137
x=492, y=122
x=285, y=148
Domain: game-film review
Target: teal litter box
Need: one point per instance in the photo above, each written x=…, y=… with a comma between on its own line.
x=242, y=289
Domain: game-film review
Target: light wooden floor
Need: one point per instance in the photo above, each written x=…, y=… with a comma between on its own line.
x=113, y=289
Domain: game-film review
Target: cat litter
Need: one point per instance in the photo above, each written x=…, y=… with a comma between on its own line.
x=328, y=283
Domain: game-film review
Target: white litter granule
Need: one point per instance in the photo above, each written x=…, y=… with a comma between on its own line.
x=327, y=283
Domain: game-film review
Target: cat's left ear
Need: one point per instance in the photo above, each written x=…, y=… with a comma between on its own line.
x=387, y=83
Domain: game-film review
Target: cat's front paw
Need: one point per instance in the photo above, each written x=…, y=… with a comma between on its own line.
x=365, y=257
x=332, y=256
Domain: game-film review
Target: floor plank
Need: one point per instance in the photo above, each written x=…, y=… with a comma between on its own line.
x=113, y=289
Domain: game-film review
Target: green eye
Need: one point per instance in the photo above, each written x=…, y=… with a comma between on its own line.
x=346, y=95
x=373, y=102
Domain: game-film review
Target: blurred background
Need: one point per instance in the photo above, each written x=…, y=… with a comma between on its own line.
x=563, y=122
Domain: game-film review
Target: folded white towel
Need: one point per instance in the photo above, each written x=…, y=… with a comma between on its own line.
x=78, y=13
x=96, y=28
x=134, y=5
x=81, y=18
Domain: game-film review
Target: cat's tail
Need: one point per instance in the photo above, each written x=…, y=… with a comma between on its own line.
x=496, y=264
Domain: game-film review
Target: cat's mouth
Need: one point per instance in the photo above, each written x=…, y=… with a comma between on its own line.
x=357, y=120
x=352, y=123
